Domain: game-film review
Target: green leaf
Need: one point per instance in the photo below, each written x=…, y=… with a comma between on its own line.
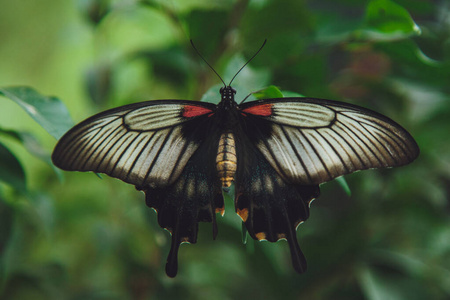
x=11, y=171
x=6, y=225
x=244, y=233
x=268, y=93
x=43, y=210
x=49, y=112
x=292, y=94
x=387, y=20
x=7, y=218
x=212, y=95
x=229, y=193
x=32, y=145
x=375, y=287
x=379, y=284
x=344, y=185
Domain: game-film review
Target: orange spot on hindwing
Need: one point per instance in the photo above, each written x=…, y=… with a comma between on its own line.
x=261, y=236
x=220, y=210
x=243, y=213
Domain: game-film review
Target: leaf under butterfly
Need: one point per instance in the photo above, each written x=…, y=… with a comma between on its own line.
x=268, y=93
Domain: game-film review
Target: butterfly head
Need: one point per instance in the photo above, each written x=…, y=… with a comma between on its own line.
x=227, y=93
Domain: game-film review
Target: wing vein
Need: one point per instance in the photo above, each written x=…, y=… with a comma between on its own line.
x=90, y=152
x=325, y=167
x=157, y=154
x=288, y=137
x=334, y=150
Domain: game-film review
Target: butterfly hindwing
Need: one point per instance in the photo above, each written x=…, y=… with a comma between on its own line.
x=272, y=208
x=194, y=197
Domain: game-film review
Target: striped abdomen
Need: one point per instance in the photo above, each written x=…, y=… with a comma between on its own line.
x=226, y=159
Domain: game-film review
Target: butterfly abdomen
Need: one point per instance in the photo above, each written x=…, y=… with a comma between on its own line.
x=226, y=159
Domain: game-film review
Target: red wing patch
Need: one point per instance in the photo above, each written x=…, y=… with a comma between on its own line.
x=190, y=111
x=264, y=110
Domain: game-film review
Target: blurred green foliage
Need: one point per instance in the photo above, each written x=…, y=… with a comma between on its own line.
x=80, y=237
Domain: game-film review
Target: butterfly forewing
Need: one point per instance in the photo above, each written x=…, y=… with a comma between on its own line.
x=313, y=140
x=144, y=144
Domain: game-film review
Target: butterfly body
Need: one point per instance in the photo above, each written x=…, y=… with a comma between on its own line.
x=226, y=161
x=276, y=152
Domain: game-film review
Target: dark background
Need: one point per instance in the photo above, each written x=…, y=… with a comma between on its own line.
x=74, y=236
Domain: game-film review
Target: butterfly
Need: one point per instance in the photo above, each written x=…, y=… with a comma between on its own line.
x=182, y=154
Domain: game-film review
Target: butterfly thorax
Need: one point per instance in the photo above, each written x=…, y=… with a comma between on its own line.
x=227, y=110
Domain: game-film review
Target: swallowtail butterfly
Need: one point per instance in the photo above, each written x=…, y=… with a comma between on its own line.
x=276, y=152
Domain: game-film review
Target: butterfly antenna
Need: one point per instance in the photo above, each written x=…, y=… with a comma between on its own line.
x=254, y=55
x=201, y=56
